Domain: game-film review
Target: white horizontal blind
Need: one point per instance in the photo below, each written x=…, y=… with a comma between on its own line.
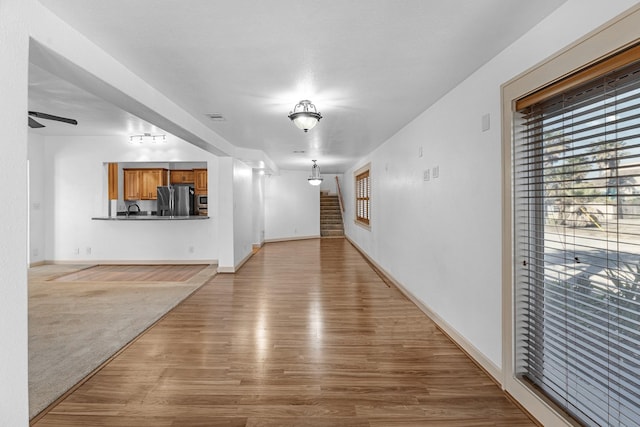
x=577, y=240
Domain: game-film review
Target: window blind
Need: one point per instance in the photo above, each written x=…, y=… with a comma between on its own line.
x=577, y=247
x=363, y=192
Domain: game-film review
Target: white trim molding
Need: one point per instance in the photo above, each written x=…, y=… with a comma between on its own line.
x=235, y=268
x=472, y=351
x=287, y=239
x=129, y=262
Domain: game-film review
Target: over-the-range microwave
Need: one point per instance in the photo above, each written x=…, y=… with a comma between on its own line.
x=202, y=201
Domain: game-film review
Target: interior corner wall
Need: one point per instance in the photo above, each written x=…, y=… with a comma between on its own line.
x=436, y=218
x=36, y=205
x=292, y=206
x=225, y=212
x=258, y=208
x=242, y=211
x=14, y=53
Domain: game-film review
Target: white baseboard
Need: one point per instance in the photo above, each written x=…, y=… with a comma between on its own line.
x=37, y=264
x=286, y=239
x=132, y=262
x=472, y=351
x=237, y=267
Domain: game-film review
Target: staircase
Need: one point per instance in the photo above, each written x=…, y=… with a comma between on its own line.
x=330, y=217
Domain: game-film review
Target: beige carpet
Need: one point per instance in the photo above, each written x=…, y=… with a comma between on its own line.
x=75, y=326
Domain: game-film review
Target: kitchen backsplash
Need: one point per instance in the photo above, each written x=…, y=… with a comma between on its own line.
x=145, y=205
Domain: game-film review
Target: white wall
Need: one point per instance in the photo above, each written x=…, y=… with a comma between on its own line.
x=292, y=206
x=235, y=212
x=441, y=239
x=258, y=208
x=226, y=253
x=14, y=42
x=242, y=211
x=36, y=199
x=76, y=191
x=329, y=182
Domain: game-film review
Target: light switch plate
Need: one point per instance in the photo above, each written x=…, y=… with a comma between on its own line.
x=486, y=122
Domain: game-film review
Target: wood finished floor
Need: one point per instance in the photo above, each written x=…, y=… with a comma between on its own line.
x=133, y=273
x=306, y=334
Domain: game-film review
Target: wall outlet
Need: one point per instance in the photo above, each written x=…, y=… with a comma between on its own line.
x=420, y=151
x=88, y=250
x=436, y=172
x=76, y=251
x=426, y=175
x=191, y=249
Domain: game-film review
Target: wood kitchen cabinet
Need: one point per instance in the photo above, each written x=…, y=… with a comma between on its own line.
x=151, y=179
x=200, y=181
x=142, y=184
x=181, y=176
x=112, y=171
x=131, y=184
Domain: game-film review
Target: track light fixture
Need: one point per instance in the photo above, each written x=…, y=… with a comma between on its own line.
x=147, y=137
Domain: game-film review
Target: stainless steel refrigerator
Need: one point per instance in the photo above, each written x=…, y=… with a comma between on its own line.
x=175, y=200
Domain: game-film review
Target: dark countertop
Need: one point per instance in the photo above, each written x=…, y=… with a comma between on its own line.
x=150, y=218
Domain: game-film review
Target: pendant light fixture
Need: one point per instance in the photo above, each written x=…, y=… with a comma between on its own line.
x=304, y=115
x=315, y=178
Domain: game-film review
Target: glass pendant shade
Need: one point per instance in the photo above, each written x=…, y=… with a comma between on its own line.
x=304, y=115
x=315, y=178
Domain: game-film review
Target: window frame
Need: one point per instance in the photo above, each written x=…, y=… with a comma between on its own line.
x=607, y=40
x=570, y=156
x=362, y=196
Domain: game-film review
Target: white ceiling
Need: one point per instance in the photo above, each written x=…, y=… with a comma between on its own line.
x=370, y=66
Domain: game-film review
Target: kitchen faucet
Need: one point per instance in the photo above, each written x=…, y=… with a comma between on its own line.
x=130, y=206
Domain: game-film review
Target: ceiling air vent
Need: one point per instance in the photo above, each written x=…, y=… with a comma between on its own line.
x=216, y=117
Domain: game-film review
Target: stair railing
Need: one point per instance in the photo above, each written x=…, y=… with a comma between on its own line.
x=340, y=197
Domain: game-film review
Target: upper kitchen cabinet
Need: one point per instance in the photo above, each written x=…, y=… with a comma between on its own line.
x=131, y=180
x=142, y=184
x=181, y=176
x=151, y=180
x=200, y=181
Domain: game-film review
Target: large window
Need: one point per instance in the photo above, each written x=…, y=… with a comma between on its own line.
x=363, y=196
x=577, y=241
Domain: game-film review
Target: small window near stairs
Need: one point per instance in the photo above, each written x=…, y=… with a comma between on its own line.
x=363, y=196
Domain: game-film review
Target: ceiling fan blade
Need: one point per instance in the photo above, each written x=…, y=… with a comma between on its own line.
x=52, y=117
x=34, y=124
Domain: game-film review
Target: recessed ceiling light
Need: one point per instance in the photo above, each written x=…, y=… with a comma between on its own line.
x=216, y=117
x=299, y=152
